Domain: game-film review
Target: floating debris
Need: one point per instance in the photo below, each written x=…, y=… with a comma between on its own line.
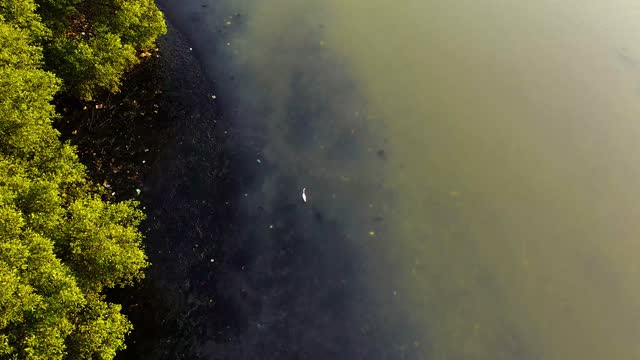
x=259, y=161
x=304, y=194
x=138, y=192
x=190, y=49
x=372, y=233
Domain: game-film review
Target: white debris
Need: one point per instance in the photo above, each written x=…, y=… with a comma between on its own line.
x=304, y=194
x=144, y=161
x=212, y=260
x=213, y=97
x=113, y=193
x=259, y=162
x=190, y=49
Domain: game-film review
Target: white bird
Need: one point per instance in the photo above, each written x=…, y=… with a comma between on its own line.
x=304, y=194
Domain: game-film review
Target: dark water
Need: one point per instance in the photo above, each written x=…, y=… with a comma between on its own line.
x=470, y=173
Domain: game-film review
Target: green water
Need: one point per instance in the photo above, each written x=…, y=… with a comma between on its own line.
x=514, y=130
x=513, y=140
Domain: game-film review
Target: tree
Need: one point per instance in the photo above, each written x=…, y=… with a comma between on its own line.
x=90, y=44
x=60, y=244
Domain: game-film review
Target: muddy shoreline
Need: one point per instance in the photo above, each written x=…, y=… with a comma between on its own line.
x=187, y=194
x=158, y=141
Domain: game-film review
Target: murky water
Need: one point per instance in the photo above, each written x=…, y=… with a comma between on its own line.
x=472, y=171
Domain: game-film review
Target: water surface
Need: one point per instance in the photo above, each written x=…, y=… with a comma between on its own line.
x=472, y=169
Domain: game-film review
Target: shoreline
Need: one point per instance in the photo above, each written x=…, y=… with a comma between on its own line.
x=144, y=143
x=184, y=255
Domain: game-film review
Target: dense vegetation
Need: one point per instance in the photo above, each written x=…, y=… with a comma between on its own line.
x=61, y=244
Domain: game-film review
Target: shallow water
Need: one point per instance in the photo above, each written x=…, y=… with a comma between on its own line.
x=470, y=167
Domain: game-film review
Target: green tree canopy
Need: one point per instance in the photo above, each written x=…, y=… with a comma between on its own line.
x=88, y=44
x=60, y=244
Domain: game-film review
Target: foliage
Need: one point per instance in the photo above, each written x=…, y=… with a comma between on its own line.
x=92, y=65
x=89, y=44
x=22, y=13
x=60, y=244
